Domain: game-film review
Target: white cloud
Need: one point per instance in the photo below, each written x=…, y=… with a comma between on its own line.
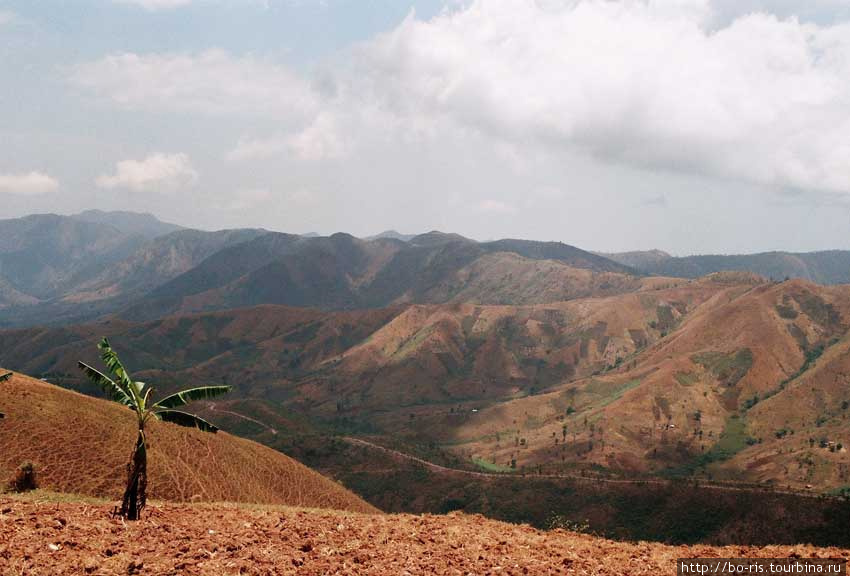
x=318, y=141
x=27, y=184
x=212, y=82
x=157, y=172
x=644, y=83
x=655, y=84
x=155, y=5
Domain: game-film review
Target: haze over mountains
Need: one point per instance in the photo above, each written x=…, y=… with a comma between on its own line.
x=60, y=269
x=824, y=267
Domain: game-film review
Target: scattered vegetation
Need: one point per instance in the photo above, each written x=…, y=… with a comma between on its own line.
x=728, y=368
x=750, y=402
x=137, y=396
x=786, y=311
x=492, y=466
x=25, y=479
x=666, y=320
x=559, y=522
x=819, y=310
x=733, y=439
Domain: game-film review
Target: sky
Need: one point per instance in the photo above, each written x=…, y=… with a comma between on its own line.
x=691, y=126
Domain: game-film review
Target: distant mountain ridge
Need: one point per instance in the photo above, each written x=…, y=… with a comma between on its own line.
x=344, y=272
x=69, y=269
x=44, y=255
x=393, y=234
x=825, y=267
x=146, y=225
x=59, y=269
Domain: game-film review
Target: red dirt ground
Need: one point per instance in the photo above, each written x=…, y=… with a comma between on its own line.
x=53, y=538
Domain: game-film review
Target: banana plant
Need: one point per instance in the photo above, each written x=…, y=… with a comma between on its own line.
x=138, y=397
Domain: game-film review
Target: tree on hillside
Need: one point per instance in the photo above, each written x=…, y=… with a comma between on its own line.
x=137, y=396
x=3, y=378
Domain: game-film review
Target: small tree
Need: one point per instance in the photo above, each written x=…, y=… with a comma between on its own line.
x=137, y=396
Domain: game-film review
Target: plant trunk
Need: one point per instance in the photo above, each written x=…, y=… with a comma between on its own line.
x=137, y=480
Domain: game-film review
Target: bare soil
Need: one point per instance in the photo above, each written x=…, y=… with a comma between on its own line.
x=39, y=537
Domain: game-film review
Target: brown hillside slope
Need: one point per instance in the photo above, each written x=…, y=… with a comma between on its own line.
x=70, y=538
x=803, y=427
x=81, y=444
x=429, y=356
x=738, y=389
x=678, y=374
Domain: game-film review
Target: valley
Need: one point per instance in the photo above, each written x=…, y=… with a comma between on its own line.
x=605, y=330
x=513, y=364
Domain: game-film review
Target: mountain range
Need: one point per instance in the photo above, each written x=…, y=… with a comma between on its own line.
x=825, y=267
x=503, y=357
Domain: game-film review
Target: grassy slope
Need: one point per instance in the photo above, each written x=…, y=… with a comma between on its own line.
x=80, y=444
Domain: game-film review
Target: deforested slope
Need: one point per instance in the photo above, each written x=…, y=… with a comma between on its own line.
x=81, y=444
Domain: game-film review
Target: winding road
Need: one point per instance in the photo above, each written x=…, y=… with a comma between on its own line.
x=726, y=486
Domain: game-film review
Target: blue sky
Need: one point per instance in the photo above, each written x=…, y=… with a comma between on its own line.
x=686, y=125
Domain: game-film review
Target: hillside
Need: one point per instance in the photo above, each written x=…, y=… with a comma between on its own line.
x=104, y=285
x=221, y=540
x=747, y=387
x=343, y=272
x=80, y=445
x=43, y=255
x=827, y=267
x=155, y=263
x=70, y=269
x=674, y=377
x=423, y=359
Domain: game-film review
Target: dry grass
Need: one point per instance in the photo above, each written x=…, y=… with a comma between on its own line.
x=81, y=445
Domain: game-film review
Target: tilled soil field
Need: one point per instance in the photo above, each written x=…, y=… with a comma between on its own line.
x=47, y=538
